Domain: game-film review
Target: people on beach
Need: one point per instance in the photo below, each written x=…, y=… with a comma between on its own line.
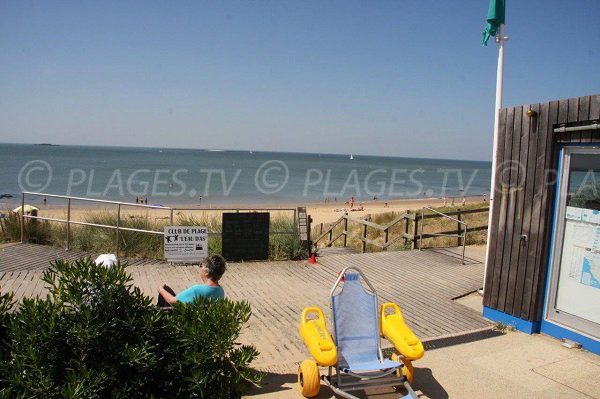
x=211, y=270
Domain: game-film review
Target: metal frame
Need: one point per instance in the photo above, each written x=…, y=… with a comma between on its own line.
x=463, y=236
x=564, y=319
x=344, y=382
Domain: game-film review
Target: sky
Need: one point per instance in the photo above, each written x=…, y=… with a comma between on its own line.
x=402, y=78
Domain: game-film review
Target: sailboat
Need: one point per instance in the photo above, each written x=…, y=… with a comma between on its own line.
x=351, y=156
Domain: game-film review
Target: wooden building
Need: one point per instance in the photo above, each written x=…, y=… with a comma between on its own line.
x=543, y=271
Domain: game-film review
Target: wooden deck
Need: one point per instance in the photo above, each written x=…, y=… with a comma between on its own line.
x=424, y=285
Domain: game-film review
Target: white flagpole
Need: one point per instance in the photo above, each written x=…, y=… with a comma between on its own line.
x=500, y=39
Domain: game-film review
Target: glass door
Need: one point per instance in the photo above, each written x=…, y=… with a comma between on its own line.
x=574, y=290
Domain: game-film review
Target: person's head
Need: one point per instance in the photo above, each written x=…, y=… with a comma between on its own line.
x=214, y=266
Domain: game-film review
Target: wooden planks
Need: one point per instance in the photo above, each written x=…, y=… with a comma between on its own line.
x=38, y=257
x=423, y=283
x=524, y=200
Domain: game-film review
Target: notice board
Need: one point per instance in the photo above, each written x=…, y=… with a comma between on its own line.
x=187, y=244
x=246, y=236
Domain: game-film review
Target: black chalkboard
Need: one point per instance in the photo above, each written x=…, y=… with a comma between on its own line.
x=246, y=236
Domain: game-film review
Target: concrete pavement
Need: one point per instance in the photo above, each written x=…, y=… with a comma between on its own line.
x=494, y=364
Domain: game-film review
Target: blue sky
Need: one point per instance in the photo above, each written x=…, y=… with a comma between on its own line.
x=404, y=77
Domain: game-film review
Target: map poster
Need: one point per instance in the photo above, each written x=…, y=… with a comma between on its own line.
x=185, y=244
x=578, y=290
x=590, y=271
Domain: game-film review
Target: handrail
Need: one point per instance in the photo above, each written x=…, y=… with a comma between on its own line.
x=118, y=227
x=330, y=228
x=415, y=237
x=366, y=223
x=70, y=222
x=462, y=236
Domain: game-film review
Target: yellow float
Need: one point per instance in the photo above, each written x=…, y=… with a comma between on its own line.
x=316, y=337
x=395, y=330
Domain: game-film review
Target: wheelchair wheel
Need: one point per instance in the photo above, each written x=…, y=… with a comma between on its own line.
x=407, y=370
x=308, y=378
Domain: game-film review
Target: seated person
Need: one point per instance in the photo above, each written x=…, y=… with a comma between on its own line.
x=211, y=270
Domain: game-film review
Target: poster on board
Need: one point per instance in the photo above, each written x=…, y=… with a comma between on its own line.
x=185, y=244
x=579, y=276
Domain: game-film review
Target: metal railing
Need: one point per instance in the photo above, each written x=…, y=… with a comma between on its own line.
x=70, y=222
x=458, y=235
x=119, y=205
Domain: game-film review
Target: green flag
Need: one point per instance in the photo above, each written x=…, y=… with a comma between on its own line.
x=495, y=18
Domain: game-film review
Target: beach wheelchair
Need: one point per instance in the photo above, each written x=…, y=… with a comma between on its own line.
x=355, y=355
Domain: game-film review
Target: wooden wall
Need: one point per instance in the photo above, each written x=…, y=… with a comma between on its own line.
x=522, y=209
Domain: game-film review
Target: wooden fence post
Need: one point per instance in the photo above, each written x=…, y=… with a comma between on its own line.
x=415, y=231
x=405, y=227
x=330, y=236
x=386, y=233
x=458, y=228
x=345, y=230
x=364, y=243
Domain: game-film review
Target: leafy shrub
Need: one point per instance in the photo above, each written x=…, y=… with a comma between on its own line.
x=95, y=335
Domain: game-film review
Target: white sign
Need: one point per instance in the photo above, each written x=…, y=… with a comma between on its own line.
x=186, y=243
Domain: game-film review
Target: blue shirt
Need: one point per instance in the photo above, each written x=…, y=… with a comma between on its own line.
x=200, y=290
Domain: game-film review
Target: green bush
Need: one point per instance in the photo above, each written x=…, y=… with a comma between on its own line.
x=95, y=335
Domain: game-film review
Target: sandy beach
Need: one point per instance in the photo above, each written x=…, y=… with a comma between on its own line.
x=324, y=212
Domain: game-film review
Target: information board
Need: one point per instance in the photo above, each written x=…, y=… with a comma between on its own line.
x=246, y=236
x=187, y=244
x=579, y=277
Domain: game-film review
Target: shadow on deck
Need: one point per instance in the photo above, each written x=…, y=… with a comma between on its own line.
x=422, y=283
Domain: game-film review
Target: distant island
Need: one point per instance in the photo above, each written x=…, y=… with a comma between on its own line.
x=48, y=144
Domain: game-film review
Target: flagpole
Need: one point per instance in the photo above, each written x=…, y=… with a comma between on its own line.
x=500, y=39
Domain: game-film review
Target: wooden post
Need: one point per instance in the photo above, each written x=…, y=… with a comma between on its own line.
x=386, y=234
x=405, y=226
x=415, y=231
x=330, y=236
x=321, y=229
x=345, y=231
x=364, y=243
x=458, y=229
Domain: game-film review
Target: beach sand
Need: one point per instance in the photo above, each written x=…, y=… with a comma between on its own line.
x=319, y=212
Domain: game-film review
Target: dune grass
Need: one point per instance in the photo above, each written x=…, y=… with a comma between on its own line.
x=284, y=240
x=435, y=225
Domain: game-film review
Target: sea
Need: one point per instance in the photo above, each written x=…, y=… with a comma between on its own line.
x=205, y=177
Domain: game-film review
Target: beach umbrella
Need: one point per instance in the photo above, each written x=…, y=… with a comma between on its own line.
x=28, y=208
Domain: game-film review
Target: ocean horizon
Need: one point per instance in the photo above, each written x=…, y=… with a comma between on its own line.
x=221, y=177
